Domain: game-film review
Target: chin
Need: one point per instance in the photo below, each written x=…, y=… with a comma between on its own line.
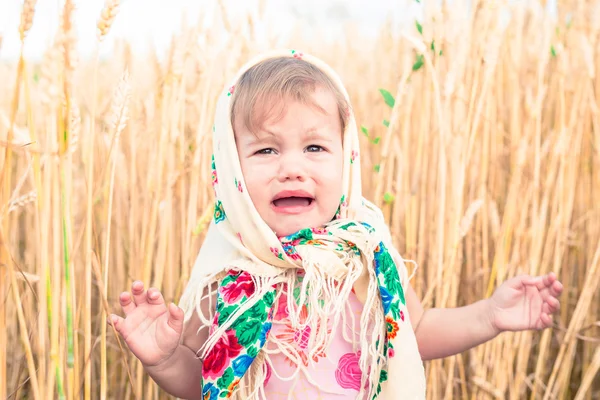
x=287, y=232
x=288, y=225
x=289, y=229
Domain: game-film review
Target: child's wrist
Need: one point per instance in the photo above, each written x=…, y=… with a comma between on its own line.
x=163, y=365
x=489, y=317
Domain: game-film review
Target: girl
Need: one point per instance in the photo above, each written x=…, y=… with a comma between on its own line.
x=298, y=291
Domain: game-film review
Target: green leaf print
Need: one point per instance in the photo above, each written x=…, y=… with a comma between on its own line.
x=225, y=313
x=269, y=299
x=228, y=279
x=219, y=212
x=257, y=311
x=226, y=379
x=297, y=295
x=248, y=332
x=391, y=277
x=383, y=376
x=395, y=310
x=348, y=225
x=252, y=351
x=401, y=294
x=302, y=234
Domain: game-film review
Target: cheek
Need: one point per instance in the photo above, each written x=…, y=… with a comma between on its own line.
x=332, y=172
x=329, y=178
x=330, y=175
x=255, y=181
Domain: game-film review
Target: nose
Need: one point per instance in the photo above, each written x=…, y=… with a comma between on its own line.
x=291, y=167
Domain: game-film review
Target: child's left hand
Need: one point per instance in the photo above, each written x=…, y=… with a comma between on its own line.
x=525, y=302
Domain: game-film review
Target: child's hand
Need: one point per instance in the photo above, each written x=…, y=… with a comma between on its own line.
x=150, y=330
x=525, y=302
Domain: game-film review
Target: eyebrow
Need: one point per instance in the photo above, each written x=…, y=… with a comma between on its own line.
x=268, y=136
x=316, y=132
x=254, y=139
x=312, y=131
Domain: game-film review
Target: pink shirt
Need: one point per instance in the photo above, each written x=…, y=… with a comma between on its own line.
x=331, y=374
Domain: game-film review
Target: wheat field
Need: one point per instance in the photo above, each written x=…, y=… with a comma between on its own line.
x=480, y=140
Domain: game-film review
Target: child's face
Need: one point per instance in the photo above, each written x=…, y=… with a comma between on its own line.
x=293, y=166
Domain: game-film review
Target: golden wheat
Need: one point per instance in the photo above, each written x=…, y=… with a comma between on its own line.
x=484, y=156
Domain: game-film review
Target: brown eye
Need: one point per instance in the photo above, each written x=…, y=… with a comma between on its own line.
x=313, y=148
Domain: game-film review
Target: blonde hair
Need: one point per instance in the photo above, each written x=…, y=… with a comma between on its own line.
x=268, y=84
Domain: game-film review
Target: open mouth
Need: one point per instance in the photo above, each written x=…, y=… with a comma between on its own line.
x=292, y=201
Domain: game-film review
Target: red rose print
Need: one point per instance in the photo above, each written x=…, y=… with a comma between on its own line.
x=391, y=352
x=295, y=256
x=242, y=286
x=219, y=358
x=348, y=374
x=282, y=308
x=301, y=337
x=276, y=252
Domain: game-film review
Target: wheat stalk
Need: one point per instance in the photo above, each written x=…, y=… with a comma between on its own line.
x=107, y=17
x=119, y=116
x=21, y=201
x=27, y=18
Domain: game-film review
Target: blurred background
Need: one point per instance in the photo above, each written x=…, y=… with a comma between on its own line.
x=149, y=25
x=480, y=135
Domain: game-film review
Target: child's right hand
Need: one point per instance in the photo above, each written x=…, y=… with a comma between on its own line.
x=150, y=329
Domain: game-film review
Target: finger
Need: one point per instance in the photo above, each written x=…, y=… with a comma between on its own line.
x=530, y=280
x=551, y=305
x=126, y=302
x=155, y=297
x=549, y=279
x=139, y=294
x=552, y=292
x=175, y=320
x=556, y=288
x=546, y=320
x=517, y=282
x=115, y=321
x=542, y=282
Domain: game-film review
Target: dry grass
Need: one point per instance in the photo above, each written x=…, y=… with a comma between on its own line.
x=490, y=166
